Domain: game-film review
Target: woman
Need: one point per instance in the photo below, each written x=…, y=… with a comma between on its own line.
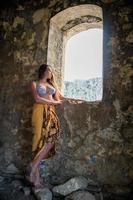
x=45, y=122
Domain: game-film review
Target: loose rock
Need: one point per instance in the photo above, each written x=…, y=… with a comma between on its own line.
x=43, y=194
x=71, y=185
x=78, y=195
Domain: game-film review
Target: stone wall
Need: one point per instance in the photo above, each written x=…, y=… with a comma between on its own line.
x=96, y=139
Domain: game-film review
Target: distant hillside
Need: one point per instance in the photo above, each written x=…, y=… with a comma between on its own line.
x=90, y=89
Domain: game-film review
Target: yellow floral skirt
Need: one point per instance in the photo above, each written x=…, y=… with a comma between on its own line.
x=45, y=128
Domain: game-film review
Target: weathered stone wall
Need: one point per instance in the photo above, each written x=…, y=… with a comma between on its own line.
x=96, y=139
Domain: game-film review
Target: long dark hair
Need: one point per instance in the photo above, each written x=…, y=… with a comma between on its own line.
x=51, y=81
x=42, y=70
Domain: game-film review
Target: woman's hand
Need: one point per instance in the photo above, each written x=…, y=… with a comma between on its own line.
x=73, y=100
x=57, y=102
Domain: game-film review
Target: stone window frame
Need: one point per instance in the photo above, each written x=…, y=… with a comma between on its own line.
x=63, y=26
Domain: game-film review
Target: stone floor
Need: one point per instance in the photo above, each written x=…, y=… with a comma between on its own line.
x=15, y=187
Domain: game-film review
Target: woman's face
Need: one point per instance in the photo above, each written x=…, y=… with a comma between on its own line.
x=48, y=72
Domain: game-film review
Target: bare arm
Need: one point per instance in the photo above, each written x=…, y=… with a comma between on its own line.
x=39, y=99
x=72, y=98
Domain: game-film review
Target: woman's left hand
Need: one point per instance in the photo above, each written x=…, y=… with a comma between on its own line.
x=74, y=101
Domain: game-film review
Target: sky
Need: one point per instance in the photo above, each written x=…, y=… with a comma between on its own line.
x=83, y=55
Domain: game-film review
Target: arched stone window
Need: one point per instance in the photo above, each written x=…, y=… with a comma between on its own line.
x=63, y=26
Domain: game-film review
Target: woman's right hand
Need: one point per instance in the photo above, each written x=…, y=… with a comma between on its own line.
x=57, y=102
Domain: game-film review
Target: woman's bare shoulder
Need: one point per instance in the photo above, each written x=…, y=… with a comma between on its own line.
x=33, y=84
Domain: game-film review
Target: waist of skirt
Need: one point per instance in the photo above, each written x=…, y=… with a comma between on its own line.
x=46, y=106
